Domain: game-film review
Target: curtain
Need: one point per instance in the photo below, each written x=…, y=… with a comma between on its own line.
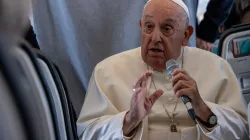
x=77, y=34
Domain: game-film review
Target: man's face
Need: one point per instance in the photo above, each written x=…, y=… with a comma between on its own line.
x=163, y=27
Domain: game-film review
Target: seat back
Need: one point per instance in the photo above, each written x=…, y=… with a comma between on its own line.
x=29, y=109
x=25, y=110
x=37, y=103
x=66, y=114
x=10, y=116
x=56, y=99
x=46, y=104
x=235, y=48
x=71, y=113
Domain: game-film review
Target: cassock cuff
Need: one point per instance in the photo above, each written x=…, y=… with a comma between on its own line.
x=212, y=133
x=206, y=130
x=139, y=127
x=128, y=138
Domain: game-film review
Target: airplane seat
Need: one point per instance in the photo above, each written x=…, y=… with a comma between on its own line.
x=56, y=99
x=232, y=47
x=27, y=101
x=59, y=106
x=42, y=101
x=42, y=95
x=32, y=106
x=10, y=118
x=55, y=80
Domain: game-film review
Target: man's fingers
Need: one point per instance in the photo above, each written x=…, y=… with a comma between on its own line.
x=180, y=85
x=145, y=80
x=185, y=91
x=179, y=77
x=149, y=102
x=138, y=83
x=156, y=95
x=178, y=70
x=148, y=73
x=136, y=91
x=142, y=79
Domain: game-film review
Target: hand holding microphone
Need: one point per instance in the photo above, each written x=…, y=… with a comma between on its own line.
x=185, y=87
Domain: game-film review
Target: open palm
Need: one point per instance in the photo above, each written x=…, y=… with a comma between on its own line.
x=141, y=103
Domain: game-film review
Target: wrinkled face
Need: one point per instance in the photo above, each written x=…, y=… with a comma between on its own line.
x=164, y=30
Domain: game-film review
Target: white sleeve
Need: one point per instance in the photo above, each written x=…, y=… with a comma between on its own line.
x=230, y=110
x=104, y=127
x=231, y=126
x=99, y=118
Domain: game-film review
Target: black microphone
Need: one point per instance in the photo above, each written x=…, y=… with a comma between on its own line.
x=171, y=65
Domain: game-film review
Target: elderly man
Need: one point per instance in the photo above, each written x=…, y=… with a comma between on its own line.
x=119, y=106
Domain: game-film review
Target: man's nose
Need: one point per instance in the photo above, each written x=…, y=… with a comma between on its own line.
x=156, y=37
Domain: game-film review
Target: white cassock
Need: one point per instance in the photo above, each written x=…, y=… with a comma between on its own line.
x=110, y=91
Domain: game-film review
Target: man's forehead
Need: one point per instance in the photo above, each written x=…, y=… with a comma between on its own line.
x=168, y=19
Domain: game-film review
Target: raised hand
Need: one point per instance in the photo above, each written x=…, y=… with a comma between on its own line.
x=141, y=103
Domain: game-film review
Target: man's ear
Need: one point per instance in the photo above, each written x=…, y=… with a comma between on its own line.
x=188, y=33
x=140, y=23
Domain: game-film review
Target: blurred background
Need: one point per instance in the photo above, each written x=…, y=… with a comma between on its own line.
x=59, y=42
x=201, y=9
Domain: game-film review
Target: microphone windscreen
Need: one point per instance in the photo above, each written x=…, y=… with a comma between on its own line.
x=171, y=65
